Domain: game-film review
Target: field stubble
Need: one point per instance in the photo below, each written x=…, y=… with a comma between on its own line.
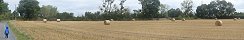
x=133, y=30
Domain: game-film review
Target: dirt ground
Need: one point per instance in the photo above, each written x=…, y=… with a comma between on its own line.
x=133, y=30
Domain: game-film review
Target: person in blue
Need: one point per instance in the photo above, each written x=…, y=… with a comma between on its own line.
x=6, y=31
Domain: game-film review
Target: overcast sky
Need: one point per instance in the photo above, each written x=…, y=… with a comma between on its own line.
x=80, y=6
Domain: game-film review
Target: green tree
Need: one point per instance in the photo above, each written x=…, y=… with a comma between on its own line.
x=163, y=8
x=123, y=13
x=92, y=16
x=65, y=16
x=216, y=9
x=173, y=13
x=136, y=14
x=110, y=10
x=150, y=8
x=14, y=15
x=107, y=8
x=239, y=15
x=3, y=7
x=28, y=9
x=4, y=11
x=187, y=8
x=89, y=15
x=203, y=11
x=48, y=11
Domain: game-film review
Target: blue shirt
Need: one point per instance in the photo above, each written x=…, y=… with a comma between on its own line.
x=6, y=30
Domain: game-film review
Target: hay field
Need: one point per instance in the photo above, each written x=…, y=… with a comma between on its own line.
x=133, y=30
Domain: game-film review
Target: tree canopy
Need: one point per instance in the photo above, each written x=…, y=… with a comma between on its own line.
x=4, y=11
x=187, y=8
x=48, y=11
x=28, y=9
x=150, y=8
x=216, y=9
x=174, y=13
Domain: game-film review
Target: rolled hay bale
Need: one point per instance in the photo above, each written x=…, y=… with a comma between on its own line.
x=45, y=20
x=239, y=18
x=58, y=20
x=106, y=22
x=183, y=19
x=133, y=19
x=218, y=23
x=235, y=19
x=216, y=18
x=173, y=19
x=111, y=19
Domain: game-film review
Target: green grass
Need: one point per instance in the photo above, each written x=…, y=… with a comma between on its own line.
x=19, y=35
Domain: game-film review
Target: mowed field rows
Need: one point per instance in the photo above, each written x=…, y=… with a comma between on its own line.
x=133, y=30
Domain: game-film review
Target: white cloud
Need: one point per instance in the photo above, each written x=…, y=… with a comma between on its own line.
x=80, y=6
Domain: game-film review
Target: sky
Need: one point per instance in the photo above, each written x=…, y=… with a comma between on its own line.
x=79, y=7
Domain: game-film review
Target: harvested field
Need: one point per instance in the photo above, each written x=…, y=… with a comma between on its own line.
x=133, y=30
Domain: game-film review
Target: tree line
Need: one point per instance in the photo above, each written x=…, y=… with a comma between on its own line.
x=153, y=9
x=150, y=10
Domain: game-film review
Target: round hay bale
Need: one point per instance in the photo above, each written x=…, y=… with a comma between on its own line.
x=216, y=18
x=111, y=19
x=235, y=19
x=58, y=20
x=173, y=19
x=45, y=20
x=133, y=19
x=218, y=23
x=106, y=22
x=239, y=18
x=183, y=19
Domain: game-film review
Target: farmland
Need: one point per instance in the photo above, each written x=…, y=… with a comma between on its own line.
x=132, y=30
